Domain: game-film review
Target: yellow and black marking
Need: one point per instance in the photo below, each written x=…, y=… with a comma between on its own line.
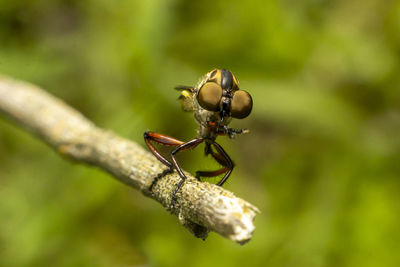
x=224, y=78
x=235, y=85
x=216, y=77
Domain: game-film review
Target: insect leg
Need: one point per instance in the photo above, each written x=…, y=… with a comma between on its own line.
x=227, y=162
x=188, y=145
x=211, y=173
x=163, y=140
x=219, y=158
x=225, y=130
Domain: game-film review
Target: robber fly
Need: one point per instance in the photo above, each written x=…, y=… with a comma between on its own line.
x=215, y=100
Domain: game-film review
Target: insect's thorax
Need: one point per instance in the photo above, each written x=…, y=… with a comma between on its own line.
x=203, y=117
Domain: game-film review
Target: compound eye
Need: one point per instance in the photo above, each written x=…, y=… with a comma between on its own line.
x=209, y=96
x=241, y=104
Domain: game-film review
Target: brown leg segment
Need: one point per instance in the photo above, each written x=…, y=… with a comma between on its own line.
x=222, y=158
x=209, y=174
x=229, y=163
x=163, y=140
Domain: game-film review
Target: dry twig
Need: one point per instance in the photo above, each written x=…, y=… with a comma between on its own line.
x=200, y=206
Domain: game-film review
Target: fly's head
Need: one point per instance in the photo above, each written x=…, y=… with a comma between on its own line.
x=219, y=93
x=217, y=99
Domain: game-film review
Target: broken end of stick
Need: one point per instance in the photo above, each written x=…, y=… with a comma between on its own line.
x=239, y=216
x=203, y=207
x=234, y=222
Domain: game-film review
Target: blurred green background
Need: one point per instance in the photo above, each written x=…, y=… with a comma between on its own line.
x=322, y=160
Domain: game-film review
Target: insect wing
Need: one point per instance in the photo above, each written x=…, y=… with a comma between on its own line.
x=186, y=97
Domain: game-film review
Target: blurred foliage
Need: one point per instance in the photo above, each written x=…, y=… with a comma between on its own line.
x=321, y=161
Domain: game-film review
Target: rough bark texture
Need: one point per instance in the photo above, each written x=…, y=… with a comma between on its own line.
x=201, y=207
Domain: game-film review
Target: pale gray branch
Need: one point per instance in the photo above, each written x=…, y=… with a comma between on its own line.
x=200, y=206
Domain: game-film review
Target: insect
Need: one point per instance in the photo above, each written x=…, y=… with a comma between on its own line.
x=214, y=101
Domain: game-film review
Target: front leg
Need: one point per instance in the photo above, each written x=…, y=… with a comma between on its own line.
x=225, y=130
x=233, y=132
